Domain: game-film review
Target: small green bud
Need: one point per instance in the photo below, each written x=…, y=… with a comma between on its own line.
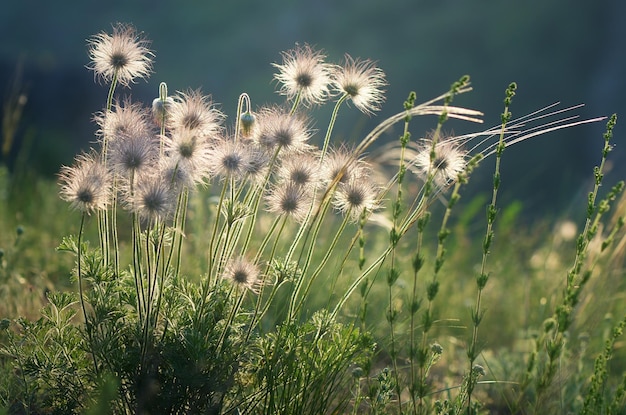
x=248, y=121
x=432, y=290
x=478, y=370
x=436, y=348
x=20, y=230
x=418, y=262
x=392, y=276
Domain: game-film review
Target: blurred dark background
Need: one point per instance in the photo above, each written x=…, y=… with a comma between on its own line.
x=561, y=50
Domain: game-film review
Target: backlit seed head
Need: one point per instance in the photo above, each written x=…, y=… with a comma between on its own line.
x=124, y=119
x=291, y=200
x=133, y=154
x=362, y=81
x=86, y=185
x=195, y=112
x=304, y=74
x=123, y=55
x=243, y=273
x=444, y=163
x=279, y=129
x=356, y=196
x=301, y=169
x=152, y=198
x=229, y=159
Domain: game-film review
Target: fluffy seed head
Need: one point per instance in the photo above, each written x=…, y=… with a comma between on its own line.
x=175, y=173
x=195, y=112
x=123, y=54
x=229, y=159
x=133, y=154
x=301, y=169
x=258, y=163
x=85, y=185
x=362, y=81
x=278, y=129
x=124, y=119
x=191, y=152
x=243, y=273
x=291, y=200
x=152, y=198
x=355, y=196
x=445, y=162
x=341, y=165
x=304, y=73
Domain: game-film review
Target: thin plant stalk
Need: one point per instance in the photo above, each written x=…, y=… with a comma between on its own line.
x=79, y=253
x=483, y=276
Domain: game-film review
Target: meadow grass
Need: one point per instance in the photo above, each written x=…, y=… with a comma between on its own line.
x=247, y=269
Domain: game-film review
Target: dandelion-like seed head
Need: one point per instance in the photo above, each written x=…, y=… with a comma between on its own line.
x=355, y=196
x=133, y=154
x=448, y=162
x=193, y=111
x=152, y=198
x=304, y=74
x=341, y=165
x=85, y=185
x=229, y=159
x=301, y=169
x=243, y=273
x=123, y=55
x=278, y=129
x=258, y=163
x=191, y=151
x=124, y=119
x=362, y=81
x=291, y=200
x=177, y=174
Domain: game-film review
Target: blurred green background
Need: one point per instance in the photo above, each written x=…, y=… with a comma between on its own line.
x=560, y=50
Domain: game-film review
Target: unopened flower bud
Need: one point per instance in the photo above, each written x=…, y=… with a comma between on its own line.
x=247, y=120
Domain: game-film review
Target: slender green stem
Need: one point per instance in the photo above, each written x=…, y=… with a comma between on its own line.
x=482, y=278
x=295, y=104
x=80, y=291
x=322, y=263
x=331, y=125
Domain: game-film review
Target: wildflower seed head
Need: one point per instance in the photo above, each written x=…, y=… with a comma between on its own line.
x=341, y=165
x=362, y=81
x=243, y=273
x=191, y=152
x=278, y=129
x=124, y=55
x=301, y=169
x=449, y=161
x=258, y=163
x=291, y=200
x=304, y=74
x=356, y=196
x=177, y=174
x=85, y=185
x=152, y=198
x=195, y=112
x=124, y=119
x=133, y=154
x=229, y=159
